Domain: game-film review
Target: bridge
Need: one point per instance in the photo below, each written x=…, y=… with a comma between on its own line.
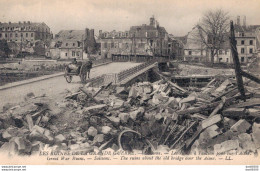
x=120, y=73
x=53, y=85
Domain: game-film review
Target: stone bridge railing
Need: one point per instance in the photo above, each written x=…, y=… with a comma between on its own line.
x=116, y=78
x=138, y=58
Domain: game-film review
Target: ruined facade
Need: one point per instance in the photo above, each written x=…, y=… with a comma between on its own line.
x=139, y=40
x=26, y=37
x=69, y=44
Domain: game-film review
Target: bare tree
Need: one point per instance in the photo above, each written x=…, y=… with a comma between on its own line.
x=212, y=30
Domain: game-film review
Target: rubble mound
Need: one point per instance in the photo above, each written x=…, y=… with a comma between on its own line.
x=145, y=117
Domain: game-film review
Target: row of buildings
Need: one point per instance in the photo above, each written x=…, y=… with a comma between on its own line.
x=247, y=39
x=146, y=39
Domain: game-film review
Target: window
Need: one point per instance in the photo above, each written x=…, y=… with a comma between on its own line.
x=6, y=35
x=67, y=44
x=73, y=44
x=31, y=34
x=26, y=34
x=190, y=52
x=242, y=50
x=112, y=45
x=73, y=53
x=251, y=42
x=226, y=59
x=250, y=50
x=226, y=52
x=11, y=35
x=242, y=42
x=16, y=35
x=0, y=34
x=21, y=34
x=242, y=34
x=66, y=54
x=220, y=52
x=105, y=45
x=242, y=59
x=78, y=53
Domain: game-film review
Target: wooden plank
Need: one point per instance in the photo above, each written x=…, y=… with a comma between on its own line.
x=171, y=83
x=209, y=106
x=89, y=95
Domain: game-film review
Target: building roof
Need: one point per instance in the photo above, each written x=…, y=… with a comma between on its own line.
x=70, y=34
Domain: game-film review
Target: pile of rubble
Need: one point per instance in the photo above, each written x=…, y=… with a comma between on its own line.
x=145, y=117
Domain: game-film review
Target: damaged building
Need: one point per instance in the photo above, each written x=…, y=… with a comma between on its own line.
x=69, y=44
x=146, y=40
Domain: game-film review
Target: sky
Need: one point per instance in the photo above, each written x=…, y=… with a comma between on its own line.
x=177, y=16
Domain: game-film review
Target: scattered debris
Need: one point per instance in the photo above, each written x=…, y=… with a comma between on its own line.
x=148, y=117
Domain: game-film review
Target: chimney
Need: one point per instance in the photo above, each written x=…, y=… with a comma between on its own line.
x=92, y=33
x=244, y=21
x=238, y=20
x=19, y=22
x=86, y=33
x=28, y=22
x=10, y=23
x=152, y=21
x=100, y=33
x=24, y=22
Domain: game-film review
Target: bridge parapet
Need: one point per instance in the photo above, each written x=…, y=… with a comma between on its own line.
x=117, y=78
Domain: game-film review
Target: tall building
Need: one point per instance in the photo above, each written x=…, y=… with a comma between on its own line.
x=24, y=31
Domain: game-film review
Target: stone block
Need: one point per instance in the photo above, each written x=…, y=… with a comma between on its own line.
x=114, y=119
x=95, y=108
x=59, y=138
x=133, y=92
x=37, y=136
x=189, y=99
x=23, y=145
x=246, y=142
x=11, y=132
x=137, y=113
x=228, y=123
x=99, y=138
x=106, y=129
x=38, y=129
x=210, y=121
x=124, y=117
x=256, y=134
x=226, y=146
x=92, y=131
x=240, y=126
x=210, y=133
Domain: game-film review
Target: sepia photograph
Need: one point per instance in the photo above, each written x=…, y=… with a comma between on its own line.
x=129, y=82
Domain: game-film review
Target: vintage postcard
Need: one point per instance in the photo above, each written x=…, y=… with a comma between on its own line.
x=166, y=82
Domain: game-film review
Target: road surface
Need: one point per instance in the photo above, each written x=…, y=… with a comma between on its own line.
x=55, y=86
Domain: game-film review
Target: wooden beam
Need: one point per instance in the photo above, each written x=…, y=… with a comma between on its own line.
x=251, y=77
x=171, y=83
x=238, y=70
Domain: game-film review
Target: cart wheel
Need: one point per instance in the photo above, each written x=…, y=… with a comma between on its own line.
x=68, y=78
